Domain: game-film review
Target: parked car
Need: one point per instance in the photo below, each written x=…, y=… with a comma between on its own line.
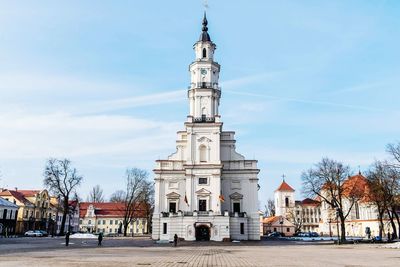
x=44, y=233
x=274, y=234
x=33, y=233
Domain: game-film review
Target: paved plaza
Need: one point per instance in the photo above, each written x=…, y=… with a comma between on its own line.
x=142, y=252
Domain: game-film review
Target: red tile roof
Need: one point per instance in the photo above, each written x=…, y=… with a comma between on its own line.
x=285, y=187
x=309, y=202
x=29, y=193
x=357, y=185
x=108, y=209
x=16, y=194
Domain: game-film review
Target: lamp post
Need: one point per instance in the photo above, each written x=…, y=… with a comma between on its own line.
x=330, y=229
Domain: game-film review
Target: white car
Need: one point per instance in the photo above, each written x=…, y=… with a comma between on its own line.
x=33, y=233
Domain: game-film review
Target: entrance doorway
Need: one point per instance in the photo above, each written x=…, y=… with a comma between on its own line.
x=202, y=233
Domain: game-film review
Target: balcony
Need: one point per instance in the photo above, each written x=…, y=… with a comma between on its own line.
x=195, y=214
x=204, y=119
x=172, y=165
x=204, y=85
x=238, y=214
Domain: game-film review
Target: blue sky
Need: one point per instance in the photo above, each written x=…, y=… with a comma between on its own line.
x=104, y=84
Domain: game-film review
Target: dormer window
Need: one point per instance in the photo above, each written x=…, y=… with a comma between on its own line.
x=204, y=53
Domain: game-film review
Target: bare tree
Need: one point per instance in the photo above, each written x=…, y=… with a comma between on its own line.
x=269, y=208
x=62, y=180
x=377, y=194
x=118, y=196
x=296, y=216
x=394, y=173
x=394, y=151
x=135, y=186
x=96, y=195
x=327, y=180
x=147, y=199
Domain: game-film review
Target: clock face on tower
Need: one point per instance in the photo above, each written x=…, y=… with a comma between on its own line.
x=203, y=71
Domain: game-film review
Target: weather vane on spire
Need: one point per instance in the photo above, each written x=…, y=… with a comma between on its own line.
x=205, y=4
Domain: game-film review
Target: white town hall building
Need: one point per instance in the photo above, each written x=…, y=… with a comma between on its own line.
x=205, y=190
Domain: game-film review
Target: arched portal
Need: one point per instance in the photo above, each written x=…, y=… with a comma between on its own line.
x=202, y=233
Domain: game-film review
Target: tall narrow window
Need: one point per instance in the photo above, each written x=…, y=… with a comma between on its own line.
x=357, y=208
x=236, y=207
x=203, y=153
x=172, y=207
x=286, y=202
x=202, y=205
x=242, y=228
x=164, y=228
x=204, y=53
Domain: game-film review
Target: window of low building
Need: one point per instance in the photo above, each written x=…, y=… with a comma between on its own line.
x=111, y=222
x=288, y=229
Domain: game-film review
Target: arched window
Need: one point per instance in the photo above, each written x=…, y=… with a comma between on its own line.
x=204, y=53
x=203, y=153
x=286, y=201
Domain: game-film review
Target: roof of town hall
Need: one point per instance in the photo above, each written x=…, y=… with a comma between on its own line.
x=285, y=187
x=109, y=209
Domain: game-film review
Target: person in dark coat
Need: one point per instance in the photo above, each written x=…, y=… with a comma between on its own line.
x=100, y=239
x=175, y=240
x=67, y=239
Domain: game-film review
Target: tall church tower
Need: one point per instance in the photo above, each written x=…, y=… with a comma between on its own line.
x=205, y=190
x=204, y=93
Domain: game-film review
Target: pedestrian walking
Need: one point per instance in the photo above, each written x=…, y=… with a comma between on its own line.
x=175, y=240
x=67, y=239
x=100, y=239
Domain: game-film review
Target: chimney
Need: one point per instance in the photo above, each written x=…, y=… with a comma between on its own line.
x=16, y=189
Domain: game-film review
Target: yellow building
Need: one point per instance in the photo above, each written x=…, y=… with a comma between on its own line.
x=35, y=211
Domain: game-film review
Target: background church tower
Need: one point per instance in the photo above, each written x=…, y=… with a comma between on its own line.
x=284, y=199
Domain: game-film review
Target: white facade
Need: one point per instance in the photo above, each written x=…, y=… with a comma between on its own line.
x=284, y=199
x=205, y=190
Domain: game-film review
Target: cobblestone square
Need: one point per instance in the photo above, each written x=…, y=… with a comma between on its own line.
x=142, y=253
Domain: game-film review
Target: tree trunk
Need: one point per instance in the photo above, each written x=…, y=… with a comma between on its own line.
x=398, y=222
x=343, y=231
x=381, y=225
x=64, y=218
x=391, y=218
x=125, y=228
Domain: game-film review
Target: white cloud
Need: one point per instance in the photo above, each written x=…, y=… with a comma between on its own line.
x=25, y=135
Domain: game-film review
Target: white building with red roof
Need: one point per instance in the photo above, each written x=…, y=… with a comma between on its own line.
x=108, y=217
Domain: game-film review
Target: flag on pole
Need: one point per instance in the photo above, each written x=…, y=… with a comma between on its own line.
x=186, y=201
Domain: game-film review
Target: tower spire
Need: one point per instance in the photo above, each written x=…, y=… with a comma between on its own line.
x=205, y=37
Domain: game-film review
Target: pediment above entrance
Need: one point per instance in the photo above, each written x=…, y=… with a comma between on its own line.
x=236, y=195
x=204, y=139
x=203, y=192
x=173, y=195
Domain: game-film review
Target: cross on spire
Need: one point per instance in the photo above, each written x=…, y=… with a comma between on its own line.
x=283, y=177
